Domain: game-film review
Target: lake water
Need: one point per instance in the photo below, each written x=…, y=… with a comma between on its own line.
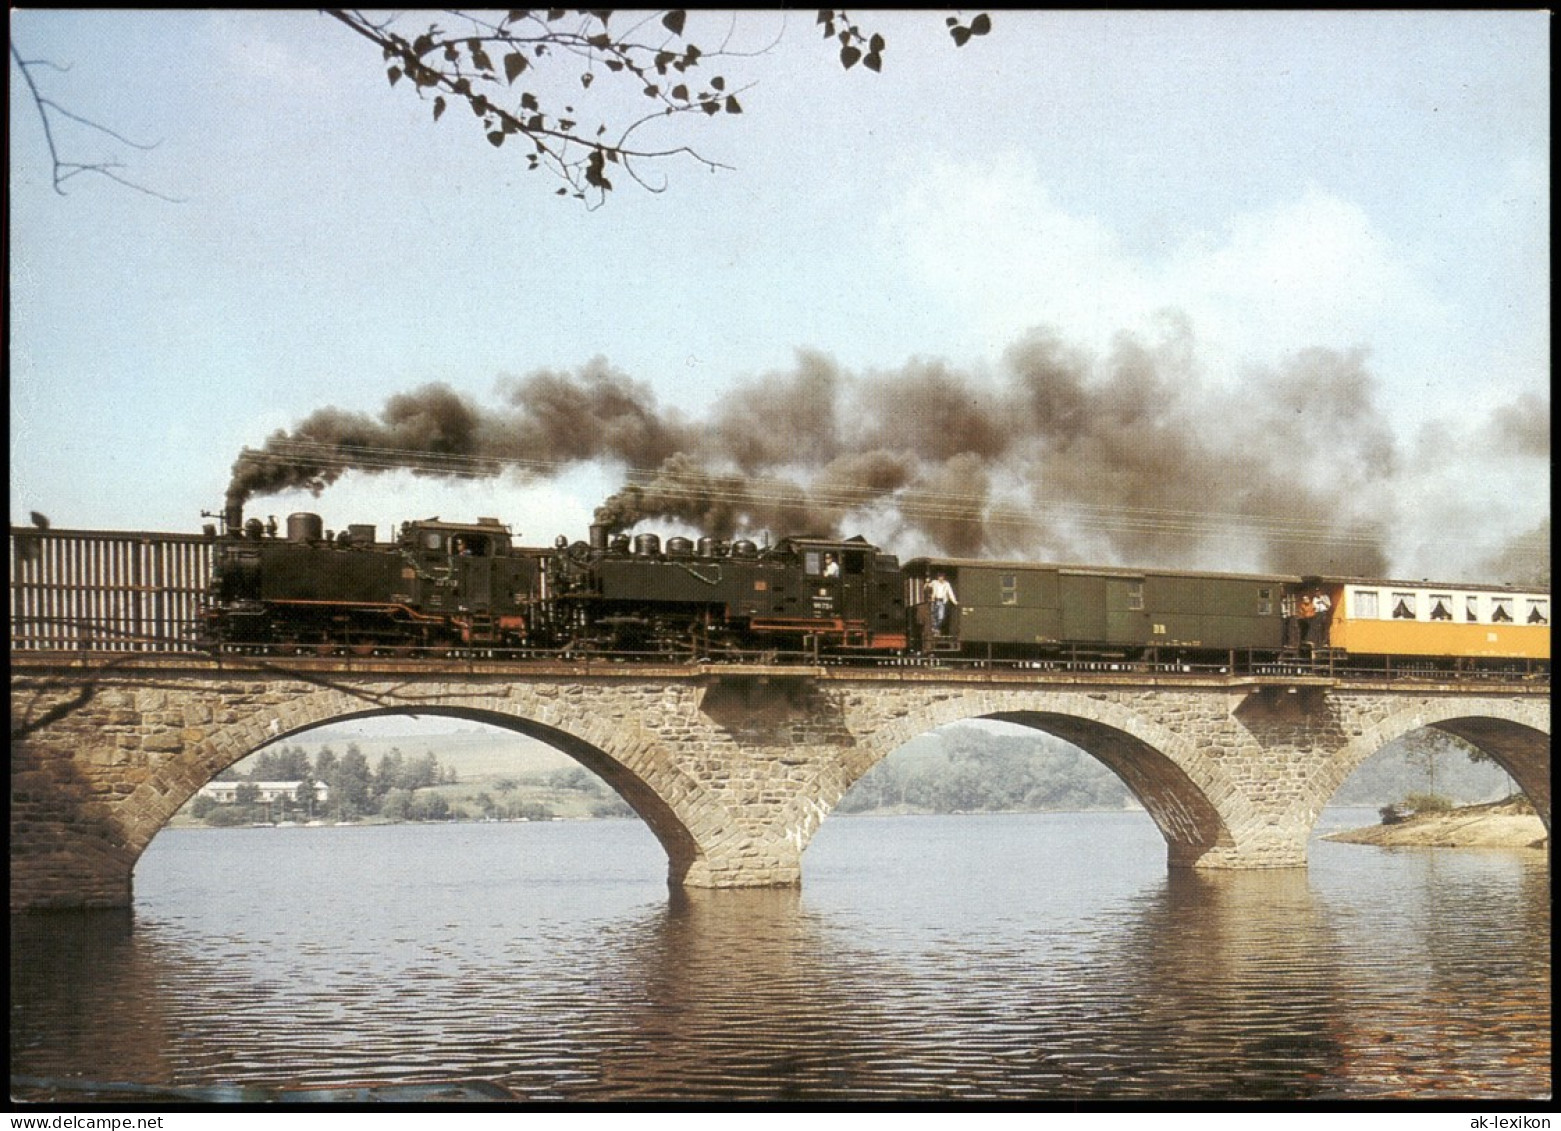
x=1044, y=956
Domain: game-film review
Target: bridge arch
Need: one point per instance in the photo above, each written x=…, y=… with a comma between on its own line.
x=732, y=770
x=1514, y=733
x=581, y=734
x=1159, y=766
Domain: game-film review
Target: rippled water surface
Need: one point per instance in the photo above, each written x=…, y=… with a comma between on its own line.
x=1031, y=956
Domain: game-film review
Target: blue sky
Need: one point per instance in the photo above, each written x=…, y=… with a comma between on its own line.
x=1231, y=190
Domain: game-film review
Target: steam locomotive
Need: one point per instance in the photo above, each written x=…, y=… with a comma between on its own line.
x=441, y=586
x=466, y=585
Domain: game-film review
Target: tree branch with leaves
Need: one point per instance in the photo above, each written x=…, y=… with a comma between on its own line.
x=508, y=69
x=527, y=76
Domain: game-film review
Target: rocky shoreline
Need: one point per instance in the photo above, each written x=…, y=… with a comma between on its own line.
x=1501, y=824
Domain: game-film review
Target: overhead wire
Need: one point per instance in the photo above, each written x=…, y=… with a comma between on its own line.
x=699, y=487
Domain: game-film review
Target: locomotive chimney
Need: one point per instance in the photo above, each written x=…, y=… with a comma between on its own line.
x=233, y=519
x=599, y=536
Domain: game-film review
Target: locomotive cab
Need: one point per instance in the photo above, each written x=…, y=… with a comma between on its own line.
x=469, y=572
x=846, y=593
x=485, y=538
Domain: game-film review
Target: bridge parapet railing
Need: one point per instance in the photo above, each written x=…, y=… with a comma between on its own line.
x=106, y=591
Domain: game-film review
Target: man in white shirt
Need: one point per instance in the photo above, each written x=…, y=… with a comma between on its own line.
x=941, y=596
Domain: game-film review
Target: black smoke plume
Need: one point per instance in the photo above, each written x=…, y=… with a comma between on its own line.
x=1062, y=455
x=549, y=419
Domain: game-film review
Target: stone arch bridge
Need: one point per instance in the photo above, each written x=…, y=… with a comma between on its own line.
x=732, y=768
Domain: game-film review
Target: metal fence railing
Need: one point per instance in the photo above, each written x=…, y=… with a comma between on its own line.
x=106, y=590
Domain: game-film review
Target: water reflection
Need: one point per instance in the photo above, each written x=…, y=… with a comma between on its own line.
x=927, y=959
x=85, y=993
x=1235, y=980
x=1449, y=974
x=736, y=994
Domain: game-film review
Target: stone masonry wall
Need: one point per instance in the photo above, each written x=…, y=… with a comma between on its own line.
x=732, y=772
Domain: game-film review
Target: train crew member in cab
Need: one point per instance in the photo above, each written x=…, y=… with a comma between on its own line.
x=831, y=567
x=940, y=594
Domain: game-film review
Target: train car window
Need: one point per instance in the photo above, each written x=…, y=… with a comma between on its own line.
x=1538, y=612
x=1135, y=595
x=1441, y=606
x=1404, y=606
x=812, y=563
x=1009, y=584
x=1265, y=602
x=1471, y=608
x=431, y=540
x=1501, y=610
x=1366, y=604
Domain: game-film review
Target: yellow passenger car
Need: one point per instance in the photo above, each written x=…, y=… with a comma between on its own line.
x=1399, y=618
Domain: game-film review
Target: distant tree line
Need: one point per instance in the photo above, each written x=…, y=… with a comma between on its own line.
x=603, y=802
x=967, y=769
x=397, y=788
x=962, y=769
x=978, y=771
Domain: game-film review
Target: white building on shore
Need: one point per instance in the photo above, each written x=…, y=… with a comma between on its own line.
x=226, y=792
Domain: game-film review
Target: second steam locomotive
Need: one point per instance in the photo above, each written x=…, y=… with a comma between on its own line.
x=443, y=586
